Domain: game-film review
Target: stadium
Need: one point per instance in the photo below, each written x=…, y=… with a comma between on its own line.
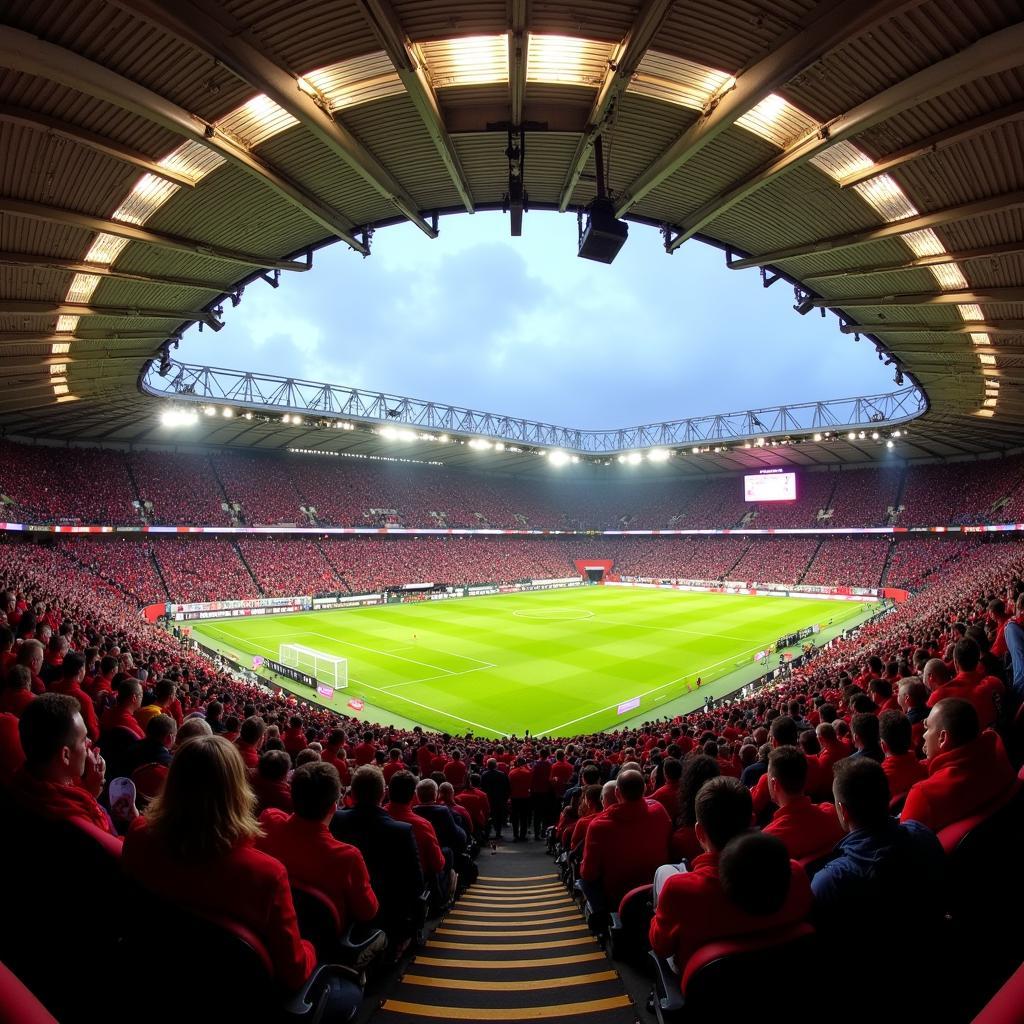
x=325, y=703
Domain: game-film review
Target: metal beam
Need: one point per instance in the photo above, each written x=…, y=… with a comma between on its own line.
x=63, y=129
x=951, y=214
x=954, y=136
x=36, y=308
x=990, y=55
x=104, y=270
x=518, y=56
x=56, y=215
x=22, y=51
x=978, y=295
x=956, y=327
x=202, y=25
x=834, y=23
x=621, y=67
x=415, y=75
x=992, y=252
x=48, y=338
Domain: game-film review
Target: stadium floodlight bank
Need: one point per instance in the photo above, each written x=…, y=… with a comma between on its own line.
x=327, y=668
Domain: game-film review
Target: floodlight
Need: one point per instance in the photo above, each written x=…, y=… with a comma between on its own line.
x=248, y=415
x=633, y=458
x=874, y=435
x=498, y=446
x=658, y=455
x=479, y=443
x=622, y=458
x=557, y=458
x=296, y=420
x=851, y=436
x=210, y=411
x=228, y=413
x=696, y=451
x=895, y=433
x=888, y=444
x=817, y=437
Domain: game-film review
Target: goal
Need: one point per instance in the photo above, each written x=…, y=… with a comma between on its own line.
x=327, y=668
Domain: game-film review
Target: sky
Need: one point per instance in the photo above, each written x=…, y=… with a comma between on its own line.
x=522, y=326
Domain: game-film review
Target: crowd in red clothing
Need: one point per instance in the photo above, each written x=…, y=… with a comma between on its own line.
x=47, y=484
x=917, y=707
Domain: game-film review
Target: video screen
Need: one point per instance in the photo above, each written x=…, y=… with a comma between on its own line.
x=770, y=485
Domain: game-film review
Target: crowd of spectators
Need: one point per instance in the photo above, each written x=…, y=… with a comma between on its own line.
x=852, y=763
x=913, y=563
x=284, y=567
x=844, y=561
x=49, y=484
x=775, y=560
x=203, y=569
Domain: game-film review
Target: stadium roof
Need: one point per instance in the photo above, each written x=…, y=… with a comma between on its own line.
x=158, y=156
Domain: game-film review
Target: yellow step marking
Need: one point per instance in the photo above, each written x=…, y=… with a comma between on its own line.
x=585, y=940
x=581, y=927
x=471, y=922
x=513, y=1013
x=473, y=912
x=518, y=888
x=504, y=965
x=522, y=878
x=508, y=986
x=526, y=901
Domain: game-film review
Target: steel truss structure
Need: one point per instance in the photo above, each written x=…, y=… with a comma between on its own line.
x=272, y=395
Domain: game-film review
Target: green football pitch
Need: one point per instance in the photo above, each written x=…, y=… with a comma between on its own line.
x=556, y=662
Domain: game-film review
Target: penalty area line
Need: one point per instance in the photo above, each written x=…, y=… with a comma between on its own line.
x=398, y=696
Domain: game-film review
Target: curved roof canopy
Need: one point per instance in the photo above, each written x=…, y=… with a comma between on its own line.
x=159, y=158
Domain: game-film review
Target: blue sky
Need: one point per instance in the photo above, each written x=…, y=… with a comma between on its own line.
x=523, y=326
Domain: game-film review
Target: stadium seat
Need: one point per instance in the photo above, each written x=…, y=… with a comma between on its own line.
x=319, y=922
x=241, y=985
x=17, y=1004
x=629, y=927
x=721, y=978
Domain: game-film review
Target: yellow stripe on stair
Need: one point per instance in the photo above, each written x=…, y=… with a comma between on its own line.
x=518, y=888
x=555, y=894
x=510, y=946
x=510, y=935
x=512, y=1013
x=568, y=909
x=464, y=922
x=476, y=985
x=507, y=965
x=524, y=878
x=512, y=904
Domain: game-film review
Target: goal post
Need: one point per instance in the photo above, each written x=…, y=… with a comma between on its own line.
x=327, y=668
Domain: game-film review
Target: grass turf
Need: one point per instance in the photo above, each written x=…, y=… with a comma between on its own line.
x=555, y=662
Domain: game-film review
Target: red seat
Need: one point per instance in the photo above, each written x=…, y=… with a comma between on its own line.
x=17, y=1004
x=1007, y=1005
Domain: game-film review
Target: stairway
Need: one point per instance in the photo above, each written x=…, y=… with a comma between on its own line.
x=248, y=567
x=514, y=947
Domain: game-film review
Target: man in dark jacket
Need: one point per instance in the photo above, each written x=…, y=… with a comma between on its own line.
x=494, y=783
x=161, y=731
x=876, y=866
x=389, y=849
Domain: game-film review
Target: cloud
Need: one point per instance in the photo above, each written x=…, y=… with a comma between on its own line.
x=522, y=326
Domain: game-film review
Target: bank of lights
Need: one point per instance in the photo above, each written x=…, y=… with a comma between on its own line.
x=292, y=419
x=179, y=418
x=557, y=458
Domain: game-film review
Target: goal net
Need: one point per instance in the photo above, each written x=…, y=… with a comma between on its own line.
x=327, y=668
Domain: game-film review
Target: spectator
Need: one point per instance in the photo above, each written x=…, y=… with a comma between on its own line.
x=250, y=741
x=971, y=683
x=624, y=845
x=16, y=692
x=494, y=782
x=520, y=780
x=901, y=766
x=967, y=768
x=313, y=857
x=806, y=829
x=153, y=749
x=401, y=790
x=743, y=882
x=63, y=773
x=864, y=728
x=388, y=848
x=30, y=654
x=697, y=770
x=877, y=866
x=195, y=847
x=668, y=794
x=270, y=781
x=69, y=681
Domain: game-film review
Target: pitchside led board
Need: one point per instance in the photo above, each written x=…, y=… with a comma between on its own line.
x=770, y=485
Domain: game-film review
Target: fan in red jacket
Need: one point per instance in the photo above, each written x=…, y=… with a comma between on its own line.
x=806, y=829
x=63, y=773
x=401, y=791
x=668, y=794
x=901, y=765
x=303, y=843
x=195, y=847
x=967, y=769
x=744, y=882
x=624, y=845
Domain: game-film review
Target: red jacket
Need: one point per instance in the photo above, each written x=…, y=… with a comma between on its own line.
x=960, y=783
x=625, y=845
x=294, y=740
x=477, y=803
x=693, y=910
x=315, y=858
x=72, y=689
x=431, y=857
x=976, y=688
x=244, y=885
x=121, y=718
x=668, y=797
x=250, y=755
x=806, y=828
x=12, y=757
x=541, y=778
x=15, y=701
x=520, y=782
x=903, y=770
x=561, y=773
x=392, y=768
x=364, y=754
x=271, y=794
x=683, y=844
x=455, y=773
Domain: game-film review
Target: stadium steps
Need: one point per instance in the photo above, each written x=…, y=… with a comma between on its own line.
x=336, y=569
x=807, y=567
x=514, y=947
x=728, y=573
x=884, y=578
x=248, y=567
x=158, y=569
